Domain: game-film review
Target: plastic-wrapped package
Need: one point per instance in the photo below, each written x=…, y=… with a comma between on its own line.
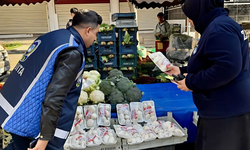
x=157, y=127
x=136, y=112
x=122, y=131
x=66, y=146
x=78, y=140
x=136, y=136
x=90, y=114
x=148, y=134
x=104, y=114
x=149, y=113
x=160, y=61
x=124, y=115
x=173, y=128
x=93, y=138
x=79, y=121
x=108, y=136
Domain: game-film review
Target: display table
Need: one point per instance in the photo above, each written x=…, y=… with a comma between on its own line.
x=168, y=98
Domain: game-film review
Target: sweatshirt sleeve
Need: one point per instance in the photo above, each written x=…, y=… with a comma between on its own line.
x=183, y=69
x=223, y=50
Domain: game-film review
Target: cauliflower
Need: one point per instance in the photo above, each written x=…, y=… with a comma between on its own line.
x=106, y=86
x=93, y=77
x=133, y=95
x=95, y=73
x=92, y=87
x=114, y=73
x=124, y=84
x=97, y=96
x=116, y=97
x=86, y=74
x=83, y=99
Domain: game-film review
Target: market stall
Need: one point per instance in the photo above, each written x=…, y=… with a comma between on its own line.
x=19, y=2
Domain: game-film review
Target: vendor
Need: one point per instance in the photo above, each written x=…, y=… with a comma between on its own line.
x=162, y=29
x=161, y=33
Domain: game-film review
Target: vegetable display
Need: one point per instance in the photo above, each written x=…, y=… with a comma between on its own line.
x=105, y=27
x=119, y=89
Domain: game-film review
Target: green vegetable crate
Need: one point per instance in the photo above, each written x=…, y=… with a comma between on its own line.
x=90, y=63
x=131, y=31
x=107, y=35
x=129, y=60
x=105, y=48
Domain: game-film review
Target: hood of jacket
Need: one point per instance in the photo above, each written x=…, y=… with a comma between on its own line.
x=203, y=12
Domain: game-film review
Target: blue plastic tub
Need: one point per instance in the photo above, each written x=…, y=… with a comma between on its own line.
x=132, y=32
x=127, y=48
x=91, y=50
x=90, y=65
x=119, y=16
x=107, y=36
x=106, y=49
x=112, y=62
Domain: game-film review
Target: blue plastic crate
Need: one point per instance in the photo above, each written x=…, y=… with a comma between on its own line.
x=91, y=50
x=112, y=62
x=107, y=35
x=90, y=65
x=128, y=48
x=118, y=16
x=106, y=49
x=132, y=32
x=127, y=62
x=130, y=73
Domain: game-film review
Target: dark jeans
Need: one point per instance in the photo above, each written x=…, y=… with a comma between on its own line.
x=21, y=143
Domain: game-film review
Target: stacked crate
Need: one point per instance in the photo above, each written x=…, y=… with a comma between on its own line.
x=91, y=59
x=127, y=52
x=107, y=55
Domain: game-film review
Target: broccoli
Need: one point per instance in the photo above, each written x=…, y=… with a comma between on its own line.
x=106, y=86
x=114, y=73
x=133, y=95
x=124, y=84
x=115, y=79
x=116, y=97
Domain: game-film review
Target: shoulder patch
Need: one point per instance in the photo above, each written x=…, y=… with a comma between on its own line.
x=31, y=49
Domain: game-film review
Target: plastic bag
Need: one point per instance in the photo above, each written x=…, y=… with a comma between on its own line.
x=180, y=46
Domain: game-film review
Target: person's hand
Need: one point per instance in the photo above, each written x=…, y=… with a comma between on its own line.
x=182, y=84
x=173, y=70
x=161, y=36
x=157, y=34
x=40, y=145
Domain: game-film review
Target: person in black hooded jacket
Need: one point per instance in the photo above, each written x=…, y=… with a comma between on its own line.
x=218, y=76
x=73, y=11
